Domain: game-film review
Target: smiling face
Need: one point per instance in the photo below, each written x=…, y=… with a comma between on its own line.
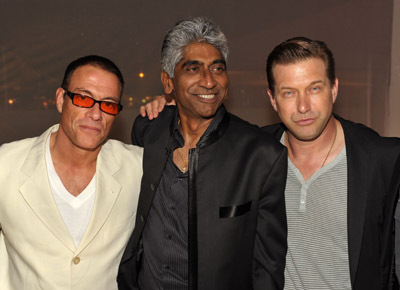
x=304, y=97
x=87, y=128
x=200, y=82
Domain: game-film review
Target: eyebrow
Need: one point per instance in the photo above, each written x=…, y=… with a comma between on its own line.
x=220, y=61
x=196, y=62
x=311, y=84
x=316, y=82
x=87, y=92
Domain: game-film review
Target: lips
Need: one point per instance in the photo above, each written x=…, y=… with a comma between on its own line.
x=304, y=122
x=89, y=128
x=209, y=96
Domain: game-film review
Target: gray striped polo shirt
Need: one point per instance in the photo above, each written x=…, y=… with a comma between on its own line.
x=317, y=256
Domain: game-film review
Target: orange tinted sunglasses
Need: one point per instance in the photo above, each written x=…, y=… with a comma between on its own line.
x=88, y=102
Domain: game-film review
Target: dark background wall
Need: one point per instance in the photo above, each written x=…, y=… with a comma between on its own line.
x=39, y=38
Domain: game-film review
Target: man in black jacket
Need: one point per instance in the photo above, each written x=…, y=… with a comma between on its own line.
x=211, y=211
x=343, y=181
x=339, y=201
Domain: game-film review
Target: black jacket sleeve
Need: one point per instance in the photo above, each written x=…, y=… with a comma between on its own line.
x=271, y=239
x=139, y=129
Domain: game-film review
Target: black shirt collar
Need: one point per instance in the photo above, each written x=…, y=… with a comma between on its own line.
x=212, y=132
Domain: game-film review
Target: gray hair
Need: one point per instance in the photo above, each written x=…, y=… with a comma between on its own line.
x=185, y=32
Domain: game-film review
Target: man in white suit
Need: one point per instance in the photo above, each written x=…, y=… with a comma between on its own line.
x=68, y=197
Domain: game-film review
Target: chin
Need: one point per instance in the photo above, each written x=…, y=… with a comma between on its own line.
x=208, y=116
x=209, y=113
x=304, y=136
x=90, y=146
x=307, y=137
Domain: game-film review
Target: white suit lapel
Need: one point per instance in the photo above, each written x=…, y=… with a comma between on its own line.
x=35, y=189
x=107, y=191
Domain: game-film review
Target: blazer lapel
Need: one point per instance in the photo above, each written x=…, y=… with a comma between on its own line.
x=358, y=171
x=155, y=155
x=157, y=147
x=37, y=193
x=358, y=167
x=107, y=191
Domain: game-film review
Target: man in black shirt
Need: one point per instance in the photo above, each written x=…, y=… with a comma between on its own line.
x=211, y=211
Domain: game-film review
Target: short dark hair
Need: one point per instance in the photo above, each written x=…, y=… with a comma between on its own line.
x=299, y=49
x=97, y=61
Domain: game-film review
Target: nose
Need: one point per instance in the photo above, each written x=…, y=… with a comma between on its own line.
x=303, y=103
x=94, y=112
x=207, y=80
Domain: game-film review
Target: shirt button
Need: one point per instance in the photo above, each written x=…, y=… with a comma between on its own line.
x=141, y=218
x=302, y=201
x=152, y=186
x=76, y=260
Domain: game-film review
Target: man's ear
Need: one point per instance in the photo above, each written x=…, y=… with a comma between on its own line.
x=60, y=99
x=272, y=100
x=167, y=83
x=335, y=90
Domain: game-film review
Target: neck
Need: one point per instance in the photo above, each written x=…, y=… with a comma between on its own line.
x=299, y=147
x=310, y=156
x=75, y=166
x=63, y=152
x=193, y=129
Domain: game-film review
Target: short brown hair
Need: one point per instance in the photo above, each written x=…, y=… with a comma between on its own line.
x=298, y=49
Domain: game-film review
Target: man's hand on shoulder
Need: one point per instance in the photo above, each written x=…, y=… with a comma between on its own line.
x=152, y=109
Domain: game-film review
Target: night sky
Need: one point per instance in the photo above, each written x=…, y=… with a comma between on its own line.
x=39, y=38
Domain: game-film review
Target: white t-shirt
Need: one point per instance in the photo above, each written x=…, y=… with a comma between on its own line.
x=75, y=211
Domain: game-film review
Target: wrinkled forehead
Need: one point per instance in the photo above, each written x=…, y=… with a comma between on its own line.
x=312, y=64
x=201, y=52
x=95, y=81
x=91, y=72
x=300, y=73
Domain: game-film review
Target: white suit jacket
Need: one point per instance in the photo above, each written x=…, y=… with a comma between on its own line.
x=36, y=249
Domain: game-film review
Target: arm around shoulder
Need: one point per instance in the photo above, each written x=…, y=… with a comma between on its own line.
x=139, y=129
x=142, y=125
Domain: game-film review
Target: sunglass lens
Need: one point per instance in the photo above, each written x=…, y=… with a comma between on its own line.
x=111, y=108
x=83, y=101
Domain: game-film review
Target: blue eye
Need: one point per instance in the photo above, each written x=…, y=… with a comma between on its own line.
x=315, y=89
x=288, y=93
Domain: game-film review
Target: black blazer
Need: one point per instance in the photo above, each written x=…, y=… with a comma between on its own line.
x=236, y=184
x=371, y=160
